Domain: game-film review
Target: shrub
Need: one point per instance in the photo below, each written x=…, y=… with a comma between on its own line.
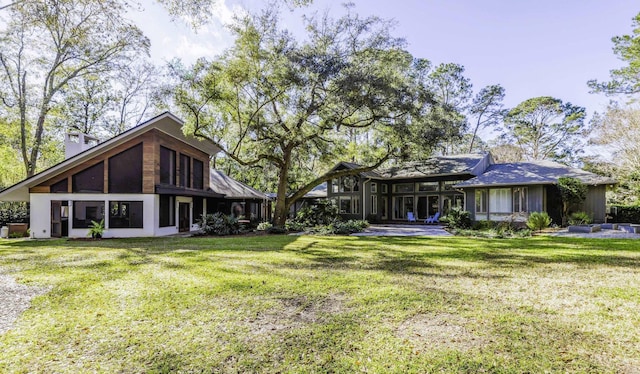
x=459, y=219
x=264, y=226
x=625, y=213
x=293, y=225
x=341, y=228
x=321, y=212
x=579, y=218
x=538, y=221
x=13, y=212
x=218, y=224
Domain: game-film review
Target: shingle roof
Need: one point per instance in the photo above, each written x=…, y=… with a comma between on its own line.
x=231, y=188
x=440, y=165
x=533, y=172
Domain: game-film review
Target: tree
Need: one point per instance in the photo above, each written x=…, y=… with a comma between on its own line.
x=47, y=45
x=274, y=101
x=618, y=131
x=625, y=80
x=487, y=108
x=545, y=128
x=572, y=191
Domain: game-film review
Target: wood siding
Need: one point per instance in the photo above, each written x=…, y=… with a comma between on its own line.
x=151, y=142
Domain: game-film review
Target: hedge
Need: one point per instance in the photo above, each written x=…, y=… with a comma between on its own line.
x=625, y=214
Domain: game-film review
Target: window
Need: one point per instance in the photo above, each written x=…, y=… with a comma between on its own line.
x=125, y=214
x=403, y=187
x=481, y=201
x=374, y=205
x=349, y=184
x=335, y=185
x=198, y=208
x=374, y=187
x=185, y=171
x=427, y=186
x=520, y=200
x=355, y=205
x=125, y=171
x=500, y=200
x=384, y=188
x=167, y=210
x=345, y=204
x=167, y=166
x=60, y=187
x=198, y=174
x=448, y=185
x=90, y=179
x=86, y=211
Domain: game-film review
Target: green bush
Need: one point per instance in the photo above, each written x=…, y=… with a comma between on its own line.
x=321, y=212
x=218, y=224
x=459, y=219
x=340, y=227
x=538, y=221
x=625, y=213
x=293, y=225
x=264, y=226
x=13, y=212
x=483, y=225
x=579, y=218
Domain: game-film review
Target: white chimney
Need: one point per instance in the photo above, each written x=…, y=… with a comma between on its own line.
x=75, y=142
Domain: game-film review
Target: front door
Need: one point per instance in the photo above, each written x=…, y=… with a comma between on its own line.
x=432, y=205
x=183, y=217
x=56, y=219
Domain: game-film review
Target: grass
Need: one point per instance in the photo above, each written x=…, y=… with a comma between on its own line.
x=326, y=304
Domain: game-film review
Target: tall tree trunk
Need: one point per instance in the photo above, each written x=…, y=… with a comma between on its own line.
x=282, y=206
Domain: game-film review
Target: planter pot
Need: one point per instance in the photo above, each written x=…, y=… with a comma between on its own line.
x=628, y=227
x=609, y=226
x=585, y=228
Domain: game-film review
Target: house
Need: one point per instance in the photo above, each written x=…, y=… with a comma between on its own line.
x=509, y=191
x=318, y=192
x=239, y=199
x=473, y=182
x=151, y=180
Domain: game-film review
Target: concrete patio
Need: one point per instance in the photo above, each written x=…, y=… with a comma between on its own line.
x=404, y=230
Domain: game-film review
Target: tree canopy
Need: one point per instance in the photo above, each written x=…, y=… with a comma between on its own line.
x=272, y=101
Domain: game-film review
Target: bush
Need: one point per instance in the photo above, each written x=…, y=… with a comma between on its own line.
x=321, y=212
x=13, y=212
x=625, y=213
x=538, y=221
x=293, y=225
x=579, y=218
x=264, y=226
x=218, y=224
x=459, y=219
x=341, y=228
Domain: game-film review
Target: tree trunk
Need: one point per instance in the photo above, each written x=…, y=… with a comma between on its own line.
x=282, y=207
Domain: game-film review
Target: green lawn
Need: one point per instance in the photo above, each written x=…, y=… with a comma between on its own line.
x=326, y=304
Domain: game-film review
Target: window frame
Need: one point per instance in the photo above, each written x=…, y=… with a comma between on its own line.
x=119, y=205
x=483, y=193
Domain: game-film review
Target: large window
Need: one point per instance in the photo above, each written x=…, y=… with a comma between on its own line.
x=198, y=209
x=374, y=204
x=481, y=201
x=355, y=205
x=198, y=174
x=125, y=214
x=167, y=210
x=125, y=171
x=374, y=187
x=185, y=171
x=403, y=187
x=167, y=166
x=345, y=204
x=60, y=187
x=520, y=200
x=427, y=186
x=90, y=179
x=500, y=200
x=86, y=211
x=401, y=206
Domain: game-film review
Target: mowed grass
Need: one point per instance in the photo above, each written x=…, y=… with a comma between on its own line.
x=326, y=304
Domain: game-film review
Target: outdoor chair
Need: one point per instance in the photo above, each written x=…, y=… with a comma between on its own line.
x=411, y=217
x=433, y=219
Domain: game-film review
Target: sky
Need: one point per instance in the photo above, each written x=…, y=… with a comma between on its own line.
x=532, y=48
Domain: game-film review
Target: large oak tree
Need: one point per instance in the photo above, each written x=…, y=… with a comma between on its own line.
x=276, y=101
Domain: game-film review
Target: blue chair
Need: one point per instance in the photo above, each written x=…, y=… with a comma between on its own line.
x=433, y=219
x=411, y=217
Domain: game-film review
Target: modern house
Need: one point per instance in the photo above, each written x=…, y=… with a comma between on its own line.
x=151, y=180
x=474, y=182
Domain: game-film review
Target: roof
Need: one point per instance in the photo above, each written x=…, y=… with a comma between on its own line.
x=437, y=166
x=165, y=122
x=533, y=172
x=318, y=192
x=351, y=166
x=231, y=188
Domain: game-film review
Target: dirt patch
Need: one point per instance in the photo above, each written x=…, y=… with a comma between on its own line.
x=438, y=331
x=296, y=312
x=15, y=298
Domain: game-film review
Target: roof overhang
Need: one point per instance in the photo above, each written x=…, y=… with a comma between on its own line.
x=165, y=122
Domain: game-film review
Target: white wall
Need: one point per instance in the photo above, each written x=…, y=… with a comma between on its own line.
x=41, y=214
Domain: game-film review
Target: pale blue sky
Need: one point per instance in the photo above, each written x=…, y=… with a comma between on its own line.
x=532, y=48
